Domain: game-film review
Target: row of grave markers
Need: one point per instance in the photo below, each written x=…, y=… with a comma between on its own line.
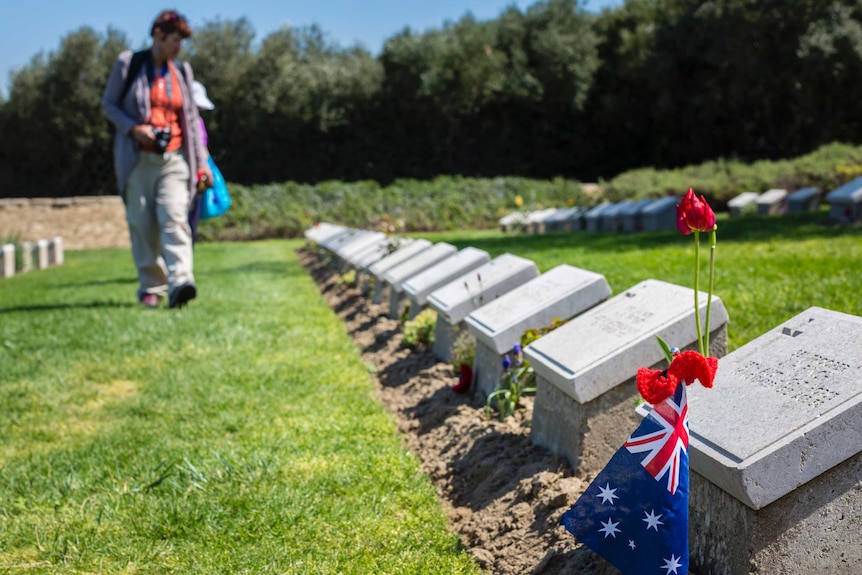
x=775, y=450
x=37, y=255
x=845, y=205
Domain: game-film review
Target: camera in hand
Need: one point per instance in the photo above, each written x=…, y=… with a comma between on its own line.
x=163, y=138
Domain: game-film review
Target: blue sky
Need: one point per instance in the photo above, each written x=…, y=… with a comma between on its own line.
x=31, y=26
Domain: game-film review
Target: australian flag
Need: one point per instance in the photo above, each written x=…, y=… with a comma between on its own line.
x=635, y=512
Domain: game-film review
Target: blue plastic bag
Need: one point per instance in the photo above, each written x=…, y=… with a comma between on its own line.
x=215, y=200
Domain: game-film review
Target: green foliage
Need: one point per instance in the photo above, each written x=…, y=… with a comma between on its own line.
x=463, y=350
x=419, y=331
x=348, y=278
x=518, y=379
x=532, y=334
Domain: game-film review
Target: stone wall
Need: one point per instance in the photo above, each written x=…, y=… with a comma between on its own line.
x=82, y=222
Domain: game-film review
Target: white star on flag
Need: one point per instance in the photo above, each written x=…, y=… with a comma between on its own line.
x=632, y=543
x=652, y=520
x=610, y=528
x=607, y=494
x=671, y=564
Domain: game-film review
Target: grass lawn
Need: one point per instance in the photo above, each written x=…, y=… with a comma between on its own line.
x=240, y=435
x=768, y=269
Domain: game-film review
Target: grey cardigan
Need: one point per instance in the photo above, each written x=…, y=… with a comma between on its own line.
x=135, y=109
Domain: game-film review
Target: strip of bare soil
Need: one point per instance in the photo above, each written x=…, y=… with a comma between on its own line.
x=503, y=495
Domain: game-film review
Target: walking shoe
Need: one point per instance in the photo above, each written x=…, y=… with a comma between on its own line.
x=182, y=295
x=150, y=300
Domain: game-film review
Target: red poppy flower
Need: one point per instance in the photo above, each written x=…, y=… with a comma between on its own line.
x=694, y=215
x=656, y=385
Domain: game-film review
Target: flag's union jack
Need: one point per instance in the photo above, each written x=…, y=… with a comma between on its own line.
x=667, y=446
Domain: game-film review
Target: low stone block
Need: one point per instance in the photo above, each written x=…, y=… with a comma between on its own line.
x=534, y=223
x=397, y=275
x=660, y=214
x=28, y=251
x=845, y=202
x=362, y=241
x=593, y=217
x=612, y=218
x=511, y=221
x=421, y=285
x=56, y=255
x=586, y=368
x=562, y=292
x=744, y=203
x=379, y=268
x=804, y=200
x=565, y=220
x=632, y=216
x=775, y=452
x=471, y=291
x=7, y=261
x=41, y=254
x=772, y=202
x=322, y=231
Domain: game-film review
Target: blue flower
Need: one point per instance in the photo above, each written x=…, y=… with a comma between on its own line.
x=507, y=363
x=517, y=349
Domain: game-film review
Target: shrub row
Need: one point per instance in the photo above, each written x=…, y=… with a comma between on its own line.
x=448, y=203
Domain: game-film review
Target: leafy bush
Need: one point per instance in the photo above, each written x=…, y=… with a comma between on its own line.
x=463, y=350
x=419, y=331
x=518, y=379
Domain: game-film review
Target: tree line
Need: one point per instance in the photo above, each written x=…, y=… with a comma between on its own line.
x=551, y=91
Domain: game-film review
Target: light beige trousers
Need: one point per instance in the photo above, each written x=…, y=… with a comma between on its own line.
x=157, y=207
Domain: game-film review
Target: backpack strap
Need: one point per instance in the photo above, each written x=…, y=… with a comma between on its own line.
x=135, y=65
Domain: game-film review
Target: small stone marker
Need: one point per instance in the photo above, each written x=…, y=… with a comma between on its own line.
x=56, y=255
x=772, y=202
x=845, y=202
x=323, y=232
x=586, y=369
x=534, y=223
x=564, y=220
x=28, y=250
x=660, y=214
x=399, y=274
x=562, y=292
x=511, y=221
x=593, y=217
x=361, y=241
x=804, y=200
x=632, y=216
x=42, y=254
x=612, y=218
x=379, y=268
x=775, y=453
x=7, y=258
x=420, y=286
x=744, y=203
x=484, y=285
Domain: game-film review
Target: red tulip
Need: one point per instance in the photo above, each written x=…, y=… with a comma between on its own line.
x=694, y=215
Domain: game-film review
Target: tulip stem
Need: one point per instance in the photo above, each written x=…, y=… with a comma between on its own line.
x=696, y=290
x=712, y=242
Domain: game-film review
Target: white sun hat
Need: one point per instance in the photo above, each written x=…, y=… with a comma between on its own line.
x=200, y=95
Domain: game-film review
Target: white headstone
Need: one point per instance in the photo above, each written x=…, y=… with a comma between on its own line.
x=593, y=217
x=632, y=216
x=379, y=268
x=323, y=231
x=660, y=214
x=399, y=274
x=775, y=453
x=28, y=251
x=42, y=254
x=7, y=258
x=562, y=220
x=420, y=286
x=511, y=221
x=56, y=256
x=845, y=202
x=612, y=218
x=560, y=293
x=535, y=221
x=744, y=203
x=804, y=200
x=360, y=242
x=586, y=368
x=771, y=202
x=484, y=285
